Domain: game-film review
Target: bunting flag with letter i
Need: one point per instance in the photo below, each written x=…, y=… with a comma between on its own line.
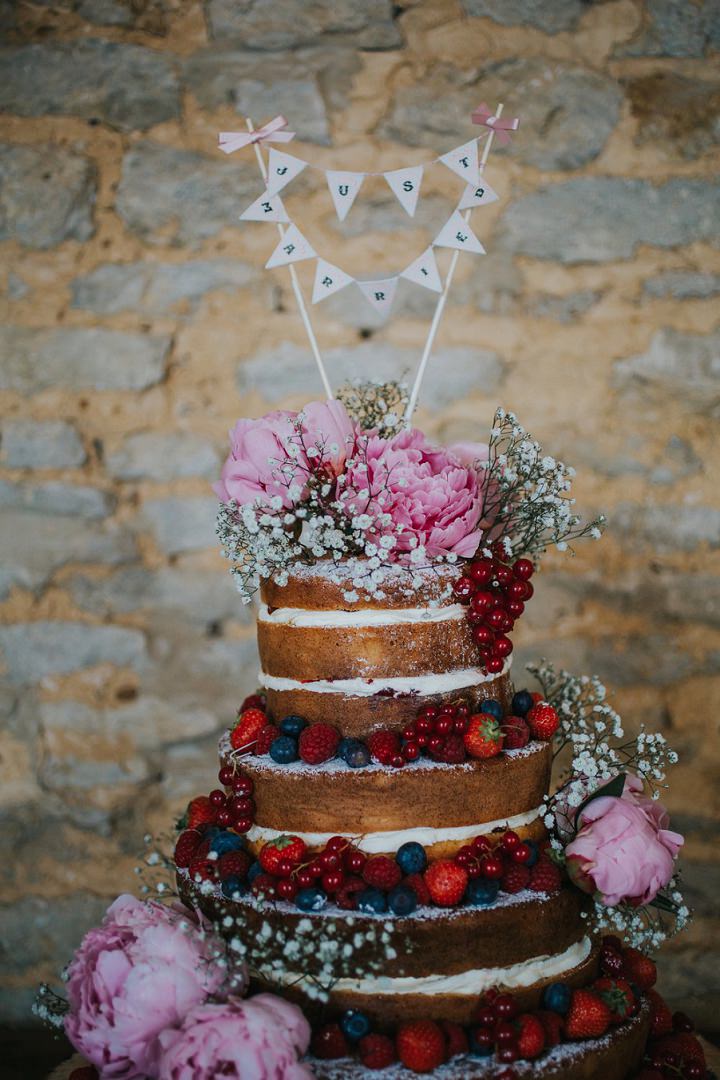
x=292, y=248
x=424, y=271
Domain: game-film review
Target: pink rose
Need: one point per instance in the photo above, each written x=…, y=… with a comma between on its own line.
x=269, y=455
x=430, y=497
x=623, y=849
x=260, y=1038
x=133, y=977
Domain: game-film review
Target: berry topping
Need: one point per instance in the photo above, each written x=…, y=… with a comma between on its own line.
x=289, y=849
x=372, y=901
x=284, y=749
x=200, y=812
x=490, y=705
x=553, y=1025
x=318, y=743
x=354, y=753
x=556, y=998
x=377, y=1051
x=516, y=732
x=515, y=879
x=483, y=738
x=543, y=721
x=382, y=872
x=292, y=725
x=185, y=848
x=354, y=1024
x=417, y=883
x=684, y=1047
x=421, y=1045
x=588, y=1016
x=619, y=998
x=244, y=734
x=446, y=882
x=234, y=864
x=411, y=858
x=482, y=892
x=455, y=1039
x=530, y=1035
x=253, y=701
x=384, y=746
x=265, y=739
x=402, y=900
x=522, y=703
x=545, y=876
x=311, y=899
x=639, y=969
x=329, y=1043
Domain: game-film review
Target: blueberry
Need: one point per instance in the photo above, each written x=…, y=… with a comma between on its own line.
x=345, y=745
x=355, y=1025
x=233, y=887
x=372, y=901
x=402, y=900
x=534, y=853
x=490, y=705
x=354, y=753
x=255, y=869
x=226, y=841
x=311, y=899
x=482, y=892
x=411, y=858
x=284, y=749
x=522, y=703
x=211, y=831
x=292, y=725
x=556, y=998
x=480, y=1047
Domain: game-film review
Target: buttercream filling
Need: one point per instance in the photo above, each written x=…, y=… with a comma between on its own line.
x=375, y=842
x=367, y=617
x=515, y=977
x=438, y=683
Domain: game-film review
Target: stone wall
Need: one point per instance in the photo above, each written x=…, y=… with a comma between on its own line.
x=138, y=323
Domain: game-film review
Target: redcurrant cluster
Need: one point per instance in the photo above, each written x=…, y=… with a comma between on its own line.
x=235, y=810
x=438, y=732
x=496, y=593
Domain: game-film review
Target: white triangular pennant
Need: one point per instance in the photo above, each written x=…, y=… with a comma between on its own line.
x=455, y=233
x=328, y=279
x=463, y=160
x=292, y=248
x=477, y=195
x=405, y=185
x=266, y=208
x=424, y=271
x=282, y=168
x=344, y=187
x=380, y=293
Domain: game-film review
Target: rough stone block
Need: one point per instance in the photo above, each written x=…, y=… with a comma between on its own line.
x=279, y=24
x=551, y=18
x=668, y=528
x=156, y=288
x=54, y=497
x=682, y=285
x=672, y=28
x=126, y=86
x=676, y=366
x=34, y=360
x=49, y=444
x=596, y=219
x=181, y=524
x=47, y=195
x=152, y=456
x=148, y=722
x=45, y=932
x=678, y=112
x=34, y=650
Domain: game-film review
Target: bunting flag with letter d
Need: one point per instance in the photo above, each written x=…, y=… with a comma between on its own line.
x=477, y=195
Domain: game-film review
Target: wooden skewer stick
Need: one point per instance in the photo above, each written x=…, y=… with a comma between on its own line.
x=440, y=307
x=302, y=308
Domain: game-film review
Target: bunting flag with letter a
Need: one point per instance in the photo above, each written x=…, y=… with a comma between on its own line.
x=405, y=185
x=282, y=168
x=424, y=271
x=455, y=233
x=329, y=279
x=292, y=248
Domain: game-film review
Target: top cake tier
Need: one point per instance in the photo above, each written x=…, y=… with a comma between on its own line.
x=331, y=652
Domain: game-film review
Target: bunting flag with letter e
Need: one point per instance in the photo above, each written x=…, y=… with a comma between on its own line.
x=463, y=161
x=405, y=185
x=477, y=195
x=329, y=279
x=282, y=168
x=424, y=271
x=292, y=248
x=456, y=233
x=266, y=208
x=380, y=293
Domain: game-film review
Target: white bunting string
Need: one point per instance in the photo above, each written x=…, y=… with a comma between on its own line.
x=343, y=187
x=405, y=185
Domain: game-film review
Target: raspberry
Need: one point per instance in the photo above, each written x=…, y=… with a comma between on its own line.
x=545, y=877
x=203, y=870
x=318, y=743
x=234, y=864
x=200, y=811
x=245, y=732
x=376, y=1051
x=516, y=732
x=382, y=872
x=515, y=879
x=264, y=885
x=253, y=701
x=455, y=1039
x=329, y=1042
x=347, y=894
x=266, y=736
x=185, y=848
x=383, y=746
x=552, y=1023
x=452, y=751
x=417, y=884
x=543, y=720
x=684, y=1046
x=446, y=882
x=421, y=1045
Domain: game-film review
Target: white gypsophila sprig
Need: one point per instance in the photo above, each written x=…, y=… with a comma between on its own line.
x=375, y=405
x=527, y=496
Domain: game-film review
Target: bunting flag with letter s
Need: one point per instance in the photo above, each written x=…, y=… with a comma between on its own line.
x=405, y=185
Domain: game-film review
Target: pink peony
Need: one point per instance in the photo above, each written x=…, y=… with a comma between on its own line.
x=269, y=455
x=427, y=492
x=133, y=977
x=260, y=1038
x=623, y=849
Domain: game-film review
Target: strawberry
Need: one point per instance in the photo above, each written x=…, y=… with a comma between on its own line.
x=515, y=878
x=553, y=1025
x=383, y=746
x=455, y=1039
x=421, y=1045
x=200, y=811
x=516, y=732
x=244, y=734
x=588, y=1016
x=417, y=884
x=543, y=721
x=446, y=882
x=619, y=998
x=483, y=738
x=377, y=1051
x=683, y=1045
x=290, y=848
x=265, y=739
x=661, y=1021
x=329, y=1042
x=531, y=1035
x=234, y=864
x=253, y=701
x=639, y=969
x=318, y=743
x=185, y=848
x=382, y=872
x=545, y=876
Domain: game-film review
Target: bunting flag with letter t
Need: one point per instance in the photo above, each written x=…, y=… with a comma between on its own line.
x=380, y=293
x=477, y=195
x=266, y=208
x=343, y=187
x=405, y=185
x=424, y=271
x=292, y=248
x=463, y=161
x=282, y=168
x=456, y=233
x=329, y=279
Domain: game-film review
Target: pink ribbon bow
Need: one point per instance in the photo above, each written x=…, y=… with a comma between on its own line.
x=501, y=125
x=270, y=132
